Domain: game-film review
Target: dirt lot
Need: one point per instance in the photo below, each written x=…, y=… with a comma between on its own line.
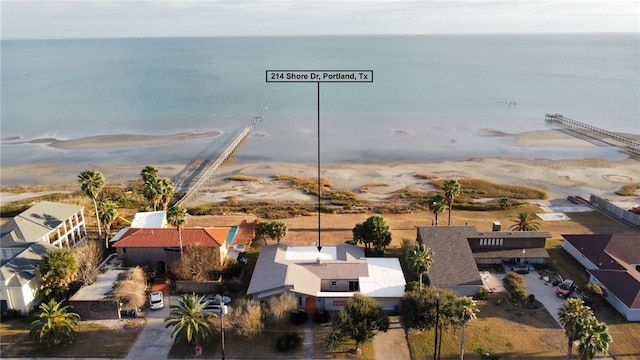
x=336, y=228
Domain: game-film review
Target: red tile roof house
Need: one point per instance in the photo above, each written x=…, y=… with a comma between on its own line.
x=612, y=261
x=160, y=247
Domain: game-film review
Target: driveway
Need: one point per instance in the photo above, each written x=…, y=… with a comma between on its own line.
x=154, y=342
x=544, y=291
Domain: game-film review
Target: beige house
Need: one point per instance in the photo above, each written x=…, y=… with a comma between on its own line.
x=326, y=278
x=23, y=241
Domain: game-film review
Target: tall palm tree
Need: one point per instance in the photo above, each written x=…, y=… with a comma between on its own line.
x=525, y=222
x=437, y=204
x=55, y=324
x=152, y=191
x=177, y=217
x=91, y=183
x=189, y=321
x=149, y=172
x=108, y=211
x=451, y=190
x=572, y=316
x=593, y=339
x=166, y=193
x=467, y=311
x=419, y=260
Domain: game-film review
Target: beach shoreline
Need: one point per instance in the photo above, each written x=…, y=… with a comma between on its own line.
x=560, y=178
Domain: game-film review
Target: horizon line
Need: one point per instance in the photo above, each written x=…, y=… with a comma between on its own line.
x=320, y=35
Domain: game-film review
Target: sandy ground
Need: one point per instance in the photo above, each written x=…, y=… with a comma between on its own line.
x=559, y=177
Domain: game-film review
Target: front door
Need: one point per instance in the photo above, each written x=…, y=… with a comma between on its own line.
x=310, y=304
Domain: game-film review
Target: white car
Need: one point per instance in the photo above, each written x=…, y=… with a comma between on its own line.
x=156, y=300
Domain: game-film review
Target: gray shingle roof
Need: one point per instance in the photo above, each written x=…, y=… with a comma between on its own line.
x=35, y=222
x=453, y=263
x=22, y=268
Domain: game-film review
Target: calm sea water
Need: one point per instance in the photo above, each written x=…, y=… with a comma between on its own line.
x=430, y=98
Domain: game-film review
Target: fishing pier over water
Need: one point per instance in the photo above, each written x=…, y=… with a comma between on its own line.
x=199, y=171
x=630, y=144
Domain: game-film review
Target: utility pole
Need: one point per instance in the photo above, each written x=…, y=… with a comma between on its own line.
x=319, y=76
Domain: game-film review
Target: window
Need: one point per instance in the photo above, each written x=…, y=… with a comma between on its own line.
x=334, y=283
x=299, y=300
x=354, y=286
x=124, y=250
x=339, y=303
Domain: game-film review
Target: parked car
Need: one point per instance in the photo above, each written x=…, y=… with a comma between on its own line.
x=521, y=268
x=214, y=299
x=565, y=288
x=156, y=300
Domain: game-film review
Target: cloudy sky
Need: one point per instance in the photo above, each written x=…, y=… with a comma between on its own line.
x=159, y=18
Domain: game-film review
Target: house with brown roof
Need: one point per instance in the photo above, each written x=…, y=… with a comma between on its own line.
x=326, y=278
x=453, y=266
x=160, y=247
x=458, y=249
x=612, y=261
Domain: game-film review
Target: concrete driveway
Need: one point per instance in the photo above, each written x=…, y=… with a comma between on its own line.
x=544, y=292
x=154, y=342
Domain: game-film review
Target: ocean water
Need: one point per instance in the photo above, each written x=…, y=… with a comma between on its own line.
x=430, y=98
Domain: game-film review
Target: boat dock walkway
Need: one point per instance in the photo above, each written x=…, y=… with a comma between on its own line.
x=198, y=172
x=627, y=142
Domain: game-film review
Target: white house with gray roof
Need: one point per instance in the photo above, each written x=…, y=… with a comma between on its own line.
x=328, y=278
x=24, y=239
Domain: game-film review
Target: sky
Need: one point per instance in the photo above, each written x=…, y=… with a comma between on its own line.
x=177, y=18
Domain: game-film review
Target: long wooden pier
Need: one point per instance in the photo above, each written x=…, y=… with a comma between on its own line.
x=211, y=167
x=629, y=143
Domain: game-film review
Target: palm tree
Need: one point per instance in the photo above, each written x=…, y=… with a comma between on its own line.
x=525, y=222
x=467, y=311
x=108, y=214
x=177, y=217
x=91, y=183
x=149, y=172
x=572, y=315
x=55, y=324
x=189, y=321
x=166, y=192
x=419, y=260
x=437, y=204
x=152, y=191
x=57, y=270
x=593, y=339
x=451, y=190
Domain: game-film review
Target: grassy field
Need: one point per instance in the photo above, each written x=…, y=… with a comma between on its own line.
x=91, y=341
x=501, y=328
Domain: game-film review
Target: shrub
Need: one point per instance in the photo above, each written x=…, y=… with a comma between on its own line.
x=515, y=285
x=483, y=293
x=411, y=286
x=485, y=355
x=321, y=316
x=299, y=317
x=531, y=298
x=595, y=289
x=288, y=342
